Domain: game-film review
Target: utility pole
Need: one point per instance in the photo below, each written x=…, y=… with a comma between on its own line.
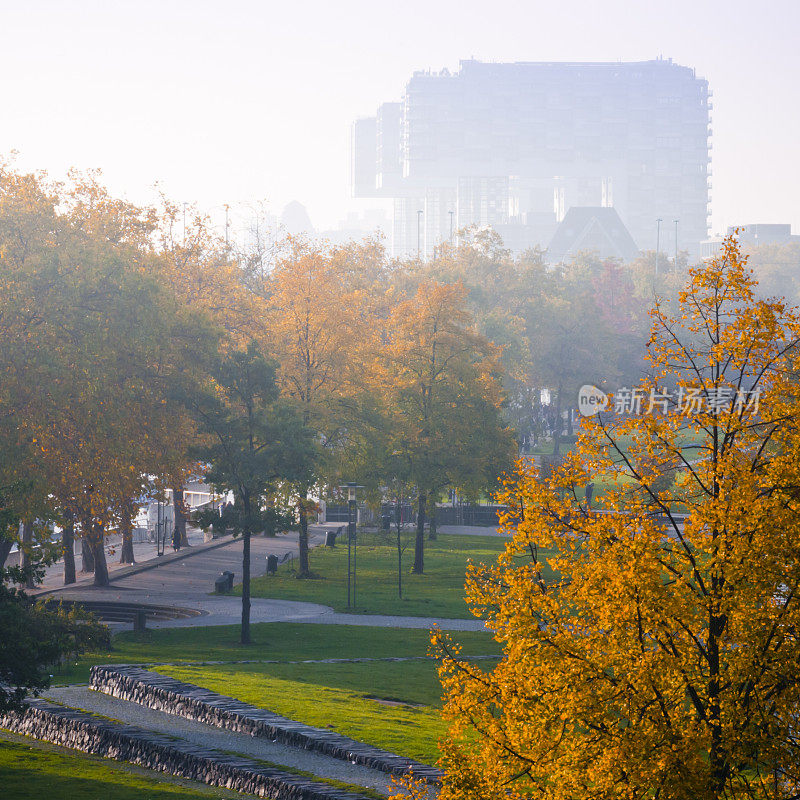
x=419, y=232
x=451, y=224
x=658, y=241
x=676, y=244
x=226, y=225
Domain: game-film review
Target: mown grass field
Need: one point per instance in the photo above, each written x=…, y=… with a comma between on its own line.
x=439, y=592
x=393, y=705
x=31, y=770
x=280, y=641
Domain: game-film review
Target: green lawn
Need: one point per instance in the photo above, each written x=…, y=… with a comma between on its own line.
x=393, y=705
x=31, y=770
x=437, y=593
x=282, y=641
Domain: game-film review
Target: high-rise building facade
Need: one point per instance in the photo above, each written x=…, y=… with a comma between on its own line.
x=515, y=146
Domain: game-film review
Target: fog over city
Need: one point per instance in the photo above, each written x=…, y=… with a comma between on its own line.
x=399, y=400
x=254, y=101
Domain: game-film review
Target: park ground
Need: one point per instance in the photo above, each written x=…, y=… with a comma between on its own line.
x=439, y=592
x=391, y=698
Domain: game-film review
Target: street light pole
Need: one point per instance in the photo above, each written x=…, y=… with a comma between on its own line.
x=419, y=232
x=351, y=513
x=352, y=542
x=349, y=551
x=676, y=244
x=658, y=241
x=159, y=523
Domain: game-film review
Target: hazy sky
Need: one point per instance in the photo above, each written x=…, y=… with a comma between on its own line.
x=240, y=101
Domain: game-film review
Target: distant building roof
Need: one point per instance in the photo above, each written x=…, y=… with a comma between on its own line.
x=764, y=233
x=592, y=228
x=296, y=220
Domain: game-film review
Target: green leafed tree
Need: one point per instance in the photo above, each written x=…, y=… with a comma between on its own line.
x=254, y=442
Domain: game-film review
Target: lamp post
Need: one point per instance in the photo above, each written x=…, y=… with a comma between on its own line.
x=676, y=244
x=419, y=232
x=658, y=240
x=160, y=521
x=351, y=541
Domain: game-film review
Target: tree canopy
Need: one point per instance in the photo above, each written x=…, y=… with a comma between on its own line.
x=649, y=640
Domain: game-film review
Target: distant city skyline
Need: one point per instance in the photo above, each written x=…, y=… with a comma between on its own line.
x=248, y=102
x=516, y=145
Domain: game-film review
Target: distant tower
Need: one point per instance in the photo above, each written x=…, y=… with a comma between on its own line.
x=295, y=219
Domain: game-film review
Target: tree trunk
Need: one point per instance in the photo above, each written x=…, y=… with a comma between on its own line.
x=68, y=546
x=557, y=431
x=126, y=528
x=99, y=553
x=432, y=533
x=180, y=514
x=419, y=543
x=25, y=549
x=304, y=571
x=245, y=637
x=5, y=550
x=399, y=551
x=87, y=554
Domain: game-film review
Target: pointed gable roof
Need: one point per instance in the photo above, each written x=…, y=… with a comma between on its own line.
x=592, y=228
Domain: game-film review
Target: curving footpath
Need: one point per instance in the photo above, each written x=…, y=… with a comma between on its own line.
x=186, y=580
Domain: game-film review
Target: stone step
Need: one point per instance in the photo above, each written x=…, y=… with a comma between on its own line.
x=163, y=693
x=88, y=733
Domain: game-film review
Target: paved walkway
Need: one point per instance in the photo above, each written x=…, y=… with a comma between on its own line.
x=186, y=580
x=143, y=553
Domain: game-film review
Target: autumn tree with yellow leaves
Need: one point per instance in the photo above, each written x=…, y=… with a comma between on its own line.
x=317, y=314
x=439, y=381
x=646, y=654
x=93, y=336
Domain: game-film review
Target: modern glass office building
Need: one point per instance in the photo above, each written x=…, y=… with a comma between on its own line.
x=516, y=145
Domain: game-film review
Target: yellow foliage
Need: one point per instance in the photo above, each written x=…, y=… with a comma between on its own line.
x=662, y=660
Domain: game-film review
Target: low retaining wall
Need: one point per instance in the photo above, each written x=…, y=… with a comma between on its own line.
x=163, y=693
x=82, y=731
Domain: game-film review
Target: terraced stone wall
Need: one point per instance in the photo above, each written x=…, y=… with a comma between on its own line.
x=163, y=693
x=82, y=731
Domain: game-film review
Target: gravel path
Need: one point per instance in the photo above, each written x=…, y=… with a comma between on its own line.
x=198, y=733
